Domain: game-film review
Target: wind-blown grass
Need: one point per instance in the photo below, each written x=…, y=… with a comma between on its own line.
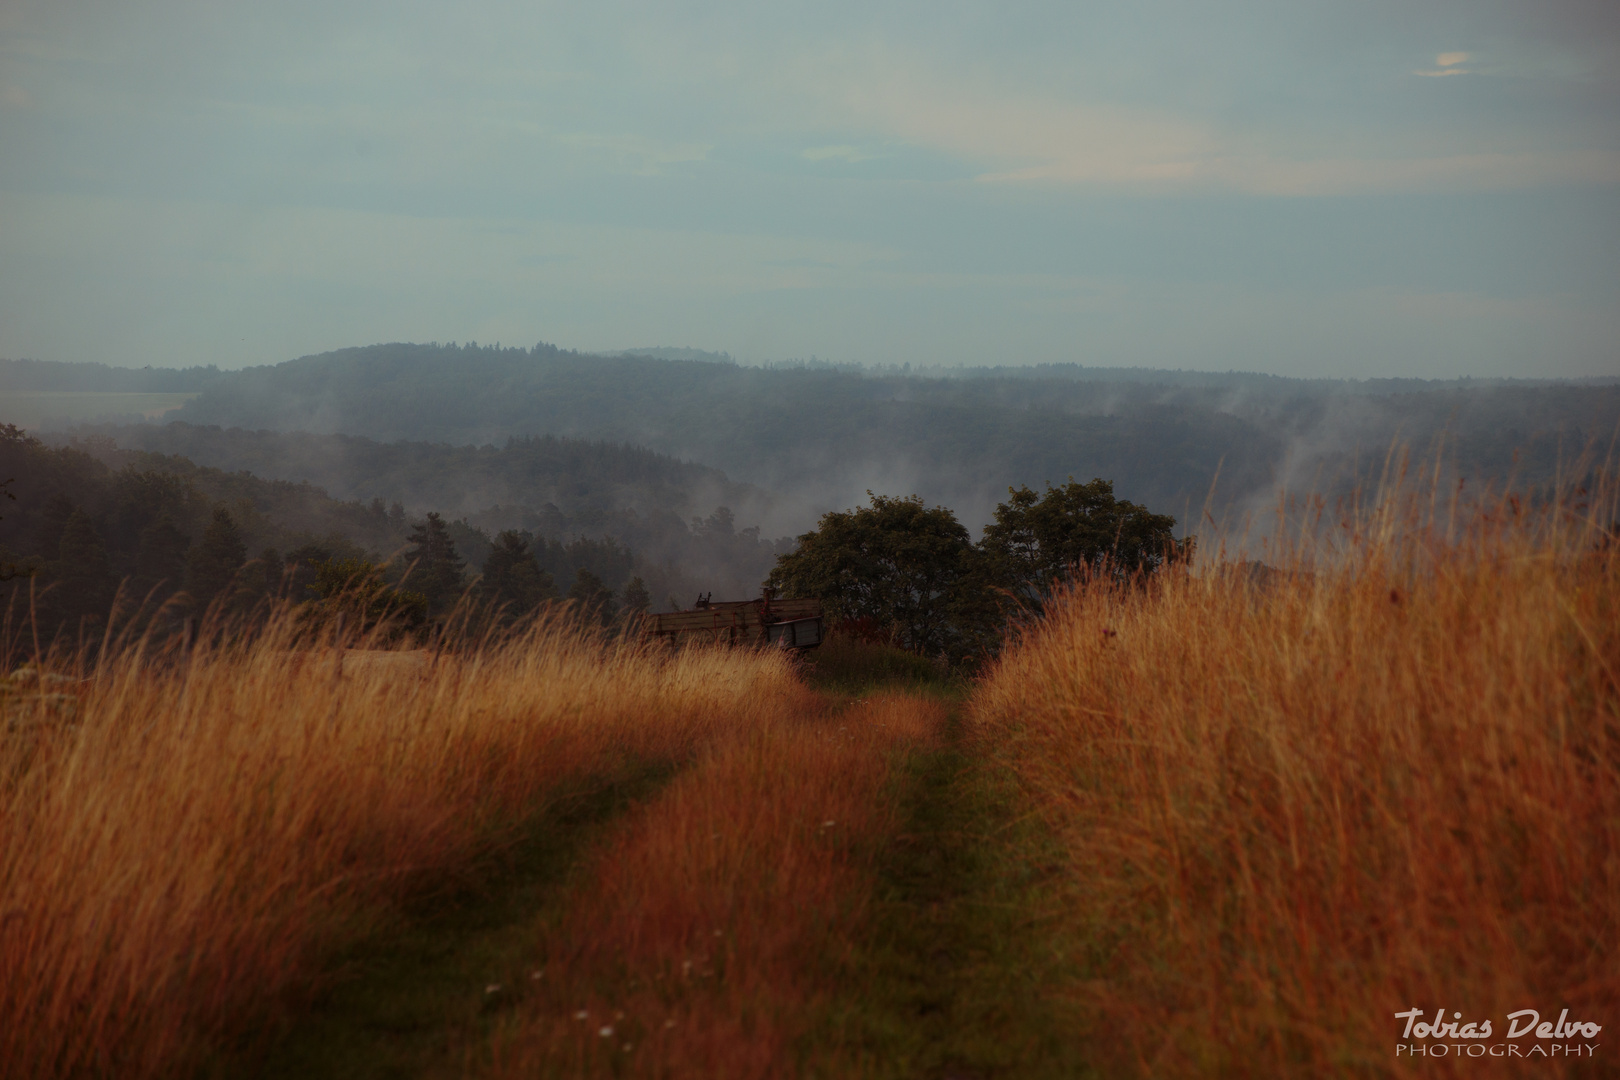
x=1387, y=776
x=190, y=846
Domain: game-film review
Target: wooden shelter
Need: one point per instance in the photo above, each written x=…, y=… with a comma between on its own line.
x=789, y=624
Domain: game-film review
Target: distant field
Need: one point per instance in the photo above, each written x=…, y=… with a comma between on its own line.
x=35, y=408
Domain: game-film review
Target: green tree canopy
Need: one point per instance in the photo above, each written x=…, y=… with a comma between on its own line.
x=512, y=576
x=909, y=567
x=1037, y=540
x=435, y=567
x=356, y=586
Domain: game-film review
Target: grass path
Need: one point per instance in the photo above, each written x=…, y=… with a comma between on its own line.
x=416, y=1000
x=946, y=982
x=950, y=983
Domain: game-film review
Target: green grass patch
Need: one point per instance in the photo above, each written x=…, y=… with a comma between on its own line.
x=415, y=1000
x=956, y=977
x=849, y=667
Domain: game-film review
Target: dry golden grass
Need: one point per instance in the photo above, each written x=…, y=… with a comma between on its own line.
x=1389, y=779
x=717, y=923
x=203, y=835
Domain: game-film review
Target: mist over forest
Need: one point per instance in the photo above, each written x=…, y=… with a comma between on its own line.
x=703, y=470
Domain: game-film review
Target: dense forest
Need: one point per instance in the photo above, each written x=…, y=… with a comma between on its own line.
x=82, y=520
x=686, y=523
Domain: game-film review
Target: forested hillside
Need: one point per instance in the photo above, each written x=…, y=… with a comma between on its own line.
x=818, y=437
x=81, y=520
x=827, y=434
x=580, y=477
x=689, y=526
x=23, y=376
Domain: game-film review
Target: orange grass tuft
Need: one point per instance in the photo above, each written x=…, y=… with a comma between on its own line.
x=200, y=836
x=1388, y=778
x=718, y=922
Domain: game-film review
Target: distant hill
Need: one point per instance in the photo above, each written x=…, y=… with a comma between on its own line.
x=823, y=435
x=819, y=435
x=41, y=375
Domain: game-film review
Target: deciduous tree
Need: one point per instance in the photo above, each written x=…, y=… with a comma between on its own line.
x=909, y=567
x=1038, y=540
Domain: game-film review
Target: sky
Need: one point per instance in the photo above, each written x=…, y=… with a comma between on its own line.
x=1330, y=188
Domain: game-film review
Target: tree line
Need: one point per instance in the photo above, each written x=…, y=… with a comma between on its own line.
x=174, y=540
x=911, y=574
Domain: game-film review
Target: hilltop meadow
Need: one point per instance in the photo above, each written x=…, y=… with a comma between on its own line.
x=1203, y=820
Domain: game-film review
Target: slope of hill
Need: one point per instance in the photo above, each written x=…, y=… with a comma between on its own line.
x=827, y=433
x=684, y=522
x=580, y=477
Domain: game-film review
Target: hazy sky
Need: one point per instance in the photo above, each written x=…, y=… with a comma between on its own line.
x=1317, y=188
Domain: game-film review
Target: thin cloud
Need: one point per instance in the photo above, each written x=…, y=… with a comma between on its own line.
x=1023, y=136
x=1447, y=63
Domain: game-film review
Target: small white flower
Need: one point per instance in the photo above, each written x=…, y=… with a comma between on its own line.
x=493, y=988
x=581, y=1015
x=606, y=1032
x=536, y=974
x=828, y=824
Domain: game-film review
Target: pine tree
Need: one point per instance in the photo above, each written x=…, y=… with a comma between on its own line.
x=636, y=598
x=512, y=576
x=435, y=567
x=212, y=565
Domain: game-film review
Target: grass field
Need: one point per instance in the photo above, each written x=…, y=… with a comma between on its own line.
x=1388, y=777
x=1217, y=824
